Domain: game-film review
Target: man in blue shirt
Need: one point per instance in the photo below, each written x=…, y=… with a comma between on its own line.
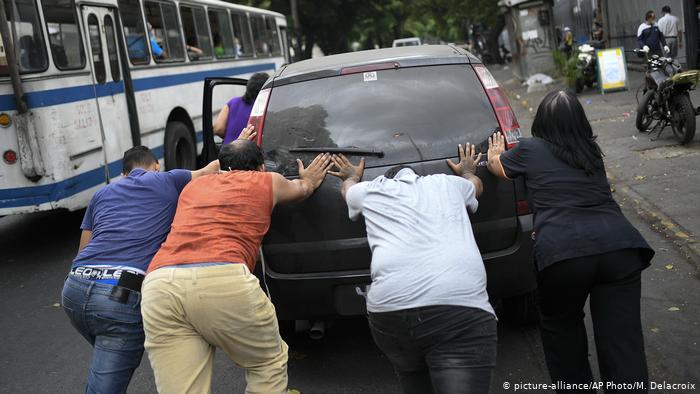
x=155, y=47
x=124, y=225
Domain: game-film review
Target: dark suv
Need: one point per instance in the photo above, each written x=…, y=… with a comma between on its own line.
x=409, y=105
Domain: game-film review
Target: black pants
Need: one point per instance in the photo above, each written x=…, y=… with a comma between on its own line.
x=438, y=349
x=613, y=281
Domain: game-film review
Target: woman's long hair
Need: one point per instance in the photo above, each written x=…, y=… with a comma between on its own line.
x=252, y=88
x=562, y=122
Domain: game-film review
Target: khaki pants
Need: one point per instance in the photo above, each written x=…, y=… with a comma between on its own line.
x=188, y=312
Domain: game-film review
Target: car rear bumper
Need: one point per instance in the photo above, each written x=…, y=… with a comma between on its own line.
x=510, y=272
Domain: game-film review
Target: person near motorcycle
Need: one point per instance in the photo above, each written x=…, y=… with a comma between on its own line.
x=567, y=43
x=650, y=37
x=670, y=26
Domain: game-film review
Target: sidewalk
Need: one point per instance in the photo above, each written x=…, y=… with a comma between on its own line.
x=659, y=179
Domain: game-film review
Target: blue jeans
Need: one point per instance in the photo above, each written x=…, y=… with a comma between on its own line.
x=115, y=331
x=438, y=349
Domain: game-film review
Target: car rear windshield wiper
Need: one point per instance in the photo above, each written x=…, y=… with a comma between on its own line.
x=346, y=151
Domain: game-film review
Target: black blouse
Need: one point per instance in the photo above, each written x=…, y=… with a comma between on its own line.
x=575, y=213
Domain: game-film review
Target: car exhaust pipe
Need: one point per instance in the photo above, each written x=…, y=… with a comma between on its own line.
x=317, y=330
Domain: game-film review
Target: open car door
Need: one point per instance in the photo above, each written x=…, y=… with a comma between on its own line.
x=210, y=150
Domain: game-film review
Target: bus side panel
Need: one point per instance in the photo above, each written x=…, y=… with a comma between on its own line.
x=63, y=115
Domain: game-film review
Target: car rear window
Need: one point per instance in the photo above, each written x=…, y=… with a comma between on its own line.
x=409, y=114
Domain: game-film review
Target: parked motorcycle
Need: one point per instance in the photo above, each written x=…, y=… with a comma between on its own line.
x=666, y=100
x=587, y=65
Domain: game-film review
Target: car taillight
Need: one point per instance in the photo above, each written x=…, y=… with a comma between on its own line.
x=522, y=207
x=499, y=101
x=257, y=113
x=10, y=157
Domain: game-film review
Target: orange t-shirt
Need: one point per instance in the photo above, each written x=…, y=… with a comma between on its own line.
x=220, y=218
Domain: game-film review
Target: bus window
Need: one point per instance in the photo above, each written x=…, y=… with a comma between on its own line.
x=163, y=31
x=194, y=24
x=29, y=40
x=112, y=48
x=221, y=33
x=273, y=38
x=241, y=35
x=262, y=47
x=64, y=35
x=134, y=32
x=98, y=59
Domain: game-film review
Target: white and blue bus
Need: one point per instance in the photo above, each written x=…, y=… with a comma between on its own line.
x=81, y=81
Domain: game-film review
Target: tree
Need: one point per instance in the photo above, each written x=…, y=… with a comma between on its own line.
x=334, y=24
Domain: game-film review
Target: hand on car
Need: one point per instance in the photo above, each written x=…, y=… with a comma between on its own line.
x=317, y=169
x=346, y=170
x=248, y=133
x=467, y=163
x=497, y=144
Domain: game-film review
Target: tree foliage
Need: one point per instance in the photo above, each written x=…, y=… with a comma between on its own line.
x=334, y=24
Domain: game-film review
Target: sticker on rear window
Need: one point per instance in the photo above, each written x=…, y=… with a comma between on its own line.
x=370, y=76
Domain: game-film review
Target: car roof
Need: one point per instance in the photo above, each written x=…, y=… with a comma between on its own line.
x=412, y=56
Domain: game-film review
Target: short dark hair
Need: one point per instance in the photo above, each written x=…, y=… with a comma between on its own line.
x=666, y=9
x=648, y=15
x=561, y=121
x=252, y=88
x=137, y=157
x=391, y=172
x=240, y=155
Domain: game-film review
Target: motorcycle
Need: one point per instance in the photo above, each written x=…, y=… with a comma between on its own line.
x=666, y=100
x=587, y=65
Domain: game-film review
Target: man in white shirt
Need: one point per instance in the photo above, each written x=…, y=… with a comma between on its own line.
x=670, y=26
x=428, y=307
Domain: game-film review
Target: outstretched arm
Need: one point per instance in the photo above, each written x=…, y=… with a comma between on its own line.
x=310, y=178
x=349, y=173
x=466, y=167
x=497, y=145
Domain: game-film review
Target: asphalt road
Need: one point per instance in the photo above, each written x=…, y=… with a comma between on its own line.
x=41, y=353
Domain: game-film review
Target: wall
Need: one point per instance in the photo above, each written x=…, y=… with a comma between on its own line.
x=625, y=16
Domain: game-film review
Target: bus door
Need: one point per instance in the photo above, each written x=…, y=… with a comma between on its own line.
x=107, y=78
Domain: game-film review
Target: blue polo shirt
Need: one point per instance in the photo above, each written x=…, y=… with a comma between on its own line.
x=130, y=219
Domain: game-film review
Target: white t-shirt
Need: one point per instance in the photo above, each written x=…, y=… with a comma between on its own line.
x=669, y=25
x=423, y=248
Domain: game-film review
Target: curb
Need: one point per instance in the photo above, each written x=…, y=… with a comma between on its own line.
x=664, y=225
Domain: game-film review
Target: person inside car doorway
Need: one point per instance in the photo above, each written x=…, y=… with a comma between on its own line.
x=428, y=309
x=650, y=38
x=124, y=225
x=200, y=294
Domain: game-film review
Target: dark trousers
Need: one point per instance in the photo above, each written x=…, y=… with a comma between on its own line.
x=438, y=349
x=613, y=281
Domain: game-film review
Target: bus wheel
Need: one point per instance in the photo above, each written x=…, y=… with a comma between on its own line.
x=180, y=149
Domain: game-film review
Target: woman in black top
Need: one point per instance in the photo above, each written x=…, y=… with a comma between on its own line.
x=584, y=246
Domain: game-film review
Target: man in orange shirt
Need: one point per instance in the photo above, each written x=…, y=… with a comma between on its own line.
x=199, y=292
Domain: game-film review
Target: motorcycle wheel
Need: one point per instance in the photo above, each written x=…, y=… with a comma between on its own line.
x=644, y=117
x=579, y=85
x=682, y=118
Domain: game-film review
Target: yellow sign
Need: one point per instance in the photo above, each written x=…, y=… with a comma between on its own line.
x=612, y=69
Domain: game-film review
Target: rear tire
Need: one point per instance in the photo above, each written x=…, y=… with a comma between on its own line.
x=579, y=85
x=682, y=118
x=180, y=148
x=644, y=117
